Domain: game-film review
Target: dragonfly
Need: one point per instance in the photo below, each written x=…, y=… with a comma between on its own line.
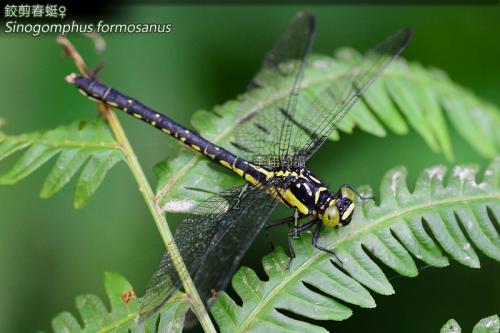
x=268, y=151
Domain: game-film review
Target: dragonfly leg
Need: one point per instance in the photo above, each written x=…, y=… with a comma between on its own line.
x=292, y=234
x=287, y=220
x=277, y=223
x=315, y=238
x=94, y=72
x=296, y=224
x=361, y=196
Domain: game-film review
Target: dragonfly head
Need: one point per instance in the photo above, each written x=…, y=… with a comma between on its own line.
x=340, y=210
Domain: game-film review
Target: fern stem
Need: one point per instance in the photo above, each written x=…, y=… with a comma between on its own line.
x=159, y=218
x=149, y=197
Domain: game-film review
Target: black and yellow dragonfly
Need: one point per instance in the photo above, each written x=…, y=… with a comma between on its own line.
x=269, y=151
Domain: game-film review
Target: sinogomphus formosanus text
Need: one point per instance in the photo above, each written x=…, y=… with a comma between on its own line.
x=214, y=236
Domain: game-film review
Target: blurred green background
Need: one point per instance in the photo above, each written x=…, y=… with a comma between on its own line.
x=50, y=252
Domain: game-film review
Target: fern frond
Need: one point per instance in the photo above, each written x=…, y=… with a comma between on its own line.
x=87, y=145
x=489, y=324
x=449, y=216
x=406, y=96
x=123, y=315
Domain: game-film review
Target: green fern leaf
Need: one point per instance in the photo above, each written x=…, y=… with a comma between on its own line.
x=489, y=324
x=451, y=326
x=123, y=315
x=439, y=216
x=406, y=96
x=87, y=145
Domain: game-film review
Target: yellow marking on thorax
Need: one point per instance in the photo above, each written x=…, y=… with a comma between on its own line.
x=292, y=201
x=272, y=191
x=308, y=189
x=317, y=194
x=315, y=179
x=301, y=175
x=316, y=197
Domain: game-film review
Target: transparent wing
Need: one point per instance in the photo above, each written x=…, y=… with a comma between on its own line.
x=267, y=133
x=212, y=240
x=318, y=116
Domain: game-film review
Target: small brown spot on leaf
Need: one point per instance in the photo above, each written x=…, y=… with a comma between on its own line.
x=128, y=296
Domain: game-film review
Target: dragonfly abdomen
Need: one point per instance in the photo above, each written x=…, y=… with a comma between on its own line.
x=112, y=97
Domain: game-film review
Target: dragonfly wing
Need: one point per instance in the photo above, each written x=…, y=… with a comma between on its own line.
x=266, y=127
x=320, y=115
x=212, y=240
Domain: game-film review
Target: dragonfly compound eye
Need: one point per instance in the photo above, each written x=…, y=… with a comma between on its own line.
x=348, y=193
x=331, y=217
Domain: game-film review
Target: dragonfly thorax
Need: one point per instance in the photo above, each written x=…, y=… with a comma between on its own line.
x=306, y=193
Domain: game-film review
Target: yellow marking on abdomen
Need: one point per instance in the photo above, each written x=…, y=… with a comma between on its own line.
x=226, y=164
x=272, y=191
x=237, y=170
x=195, y=147
x=165, y=130
x=138, y=116
x=251, y=180
x=268, y=174
x=113, y=104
